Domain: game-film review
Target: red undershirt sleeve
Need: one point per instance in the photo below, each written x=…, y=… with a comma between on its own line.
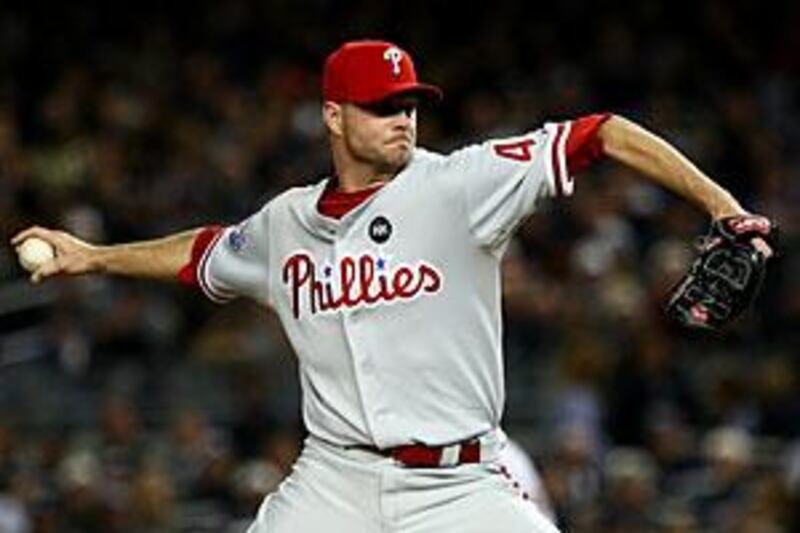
x=583, y=147
x=188, y=274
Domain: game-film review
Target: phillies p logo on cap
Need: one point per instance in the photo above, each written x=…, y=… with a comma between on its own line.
x=394, y=56
x=368, y=72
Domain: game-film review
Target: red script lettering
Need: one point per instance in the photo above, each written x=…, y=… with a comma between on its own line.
x=365, y=280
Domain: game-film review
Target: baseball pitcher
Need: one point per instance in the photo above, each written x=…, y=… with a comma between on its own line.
x=386, y=277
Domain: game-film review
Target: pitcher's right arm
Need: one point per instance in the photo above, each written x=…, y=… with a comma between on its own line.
x=156, y=259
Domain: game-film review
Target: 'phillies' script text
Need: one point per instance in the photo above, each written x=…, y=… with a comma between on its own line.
x=357, y=281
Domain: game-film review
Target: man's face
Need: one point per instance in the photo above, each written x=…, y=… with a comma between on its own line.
x=383, y=134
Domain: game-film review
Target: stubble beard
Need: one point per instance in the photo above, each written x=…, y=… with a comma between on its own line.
x=393, y=165
x=386, y=163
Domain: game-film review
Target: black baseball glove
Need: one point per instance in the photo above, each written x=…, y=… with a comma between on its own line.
x=726, y=277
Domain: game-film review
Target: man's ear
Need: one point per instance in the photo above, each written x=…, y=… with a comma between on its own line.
x=332, y=117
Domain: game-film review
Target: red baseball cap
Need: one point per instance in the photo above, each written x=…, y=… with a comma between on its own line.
x=367, y=72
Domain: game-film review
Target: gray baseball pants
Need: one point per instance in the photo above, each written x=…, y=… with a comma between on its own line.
x=338, y=490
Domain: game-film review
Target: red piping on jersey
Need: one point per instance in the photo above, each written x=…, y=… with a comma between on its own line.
x=187, y=275
x=554, y=161
x=514, y=483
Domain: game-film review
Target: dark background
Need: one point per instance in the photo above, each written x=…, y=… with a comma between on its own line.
x=130, y=406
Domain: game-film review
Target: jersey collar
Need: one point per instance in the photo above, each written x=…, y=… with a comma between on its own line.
x=330, y=228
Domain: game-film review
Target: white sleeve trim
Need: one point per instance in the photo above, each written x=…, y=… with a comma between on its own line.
x=563, y=184
x=567, y=183
x=214, y=294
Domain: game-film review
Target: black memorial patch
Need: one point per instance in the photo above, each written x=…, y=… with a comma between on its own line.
x=380, y=229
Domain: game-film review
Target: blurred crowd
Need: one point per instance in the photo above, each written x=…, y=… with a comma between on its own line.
x=129, y=406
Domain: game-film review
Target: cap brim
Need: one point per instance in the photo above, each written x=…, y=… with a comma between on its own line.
x=424, y=91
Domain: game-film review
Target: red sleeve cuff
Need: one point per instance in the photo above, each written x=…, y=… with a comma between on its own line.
x=187, y=275
x=583, y=147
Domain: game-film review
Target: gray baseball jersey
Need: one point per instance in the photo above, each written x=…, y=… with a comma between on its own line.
x=394, y=309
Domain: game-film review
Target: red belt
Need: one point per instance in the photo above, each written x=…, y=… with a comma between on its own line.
x=421, y=456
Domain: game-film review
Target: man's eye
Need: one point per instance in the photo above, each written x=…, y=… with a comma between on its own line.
x=390, y=109
x=407, y=109
x=385, y=110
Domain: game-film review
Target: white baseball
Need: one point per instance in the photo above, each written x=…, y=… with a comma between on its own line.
x=34, y=252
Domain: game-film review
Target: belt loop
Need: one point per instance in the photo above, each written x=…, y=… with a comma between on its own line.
x=450, y=455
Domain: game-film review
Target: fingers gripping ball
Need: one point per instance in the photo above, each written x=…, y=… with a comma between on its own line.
x=34, y=252
x=726, y=276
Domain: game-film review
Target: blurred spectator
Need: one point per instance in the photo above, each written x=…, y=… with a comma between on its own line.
x=152, y=502
x=673, y=446
x=13, y=516
x=648, y=379
x=721, y=491
x=572, y=474
x=631, y=476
